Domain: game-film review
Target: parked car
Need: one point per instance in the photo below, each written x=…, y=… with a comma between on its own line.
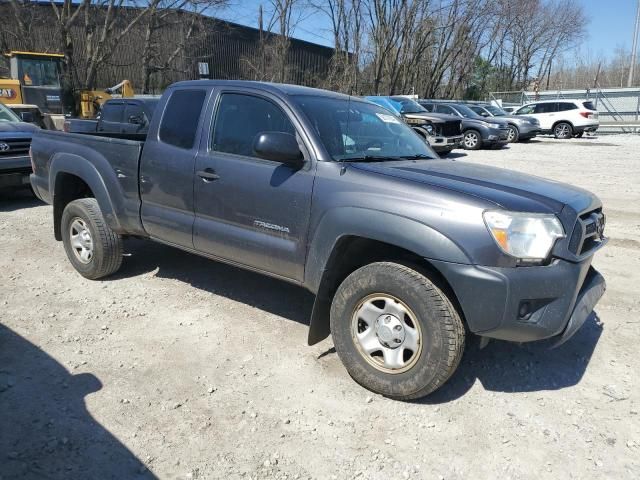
x=443, y=132
x=124, y=118
x=510, y=110
x=477, y=131
x=403, y=250
x=15, y=139
x=521, y=128
x=563, y=118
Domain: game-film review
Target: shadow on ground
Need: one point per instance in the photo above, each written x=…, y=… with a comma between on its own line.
x=531, y=367
x=500, y=367
x=11, y=200
x=45, y=429
x=266, y=293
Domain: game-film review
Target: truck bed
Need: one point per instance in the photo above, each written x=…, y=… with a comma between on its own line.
x=112, y=162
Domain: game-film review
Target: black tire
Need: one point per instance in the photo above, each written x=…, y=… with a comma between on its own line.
x=562, y=130
x=514, y=134
x=468, y=143
x=106, y=257
x=441, y=346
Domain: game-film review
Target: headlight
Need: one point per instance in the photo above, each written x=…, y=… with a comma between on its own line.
x=528, y=236
x=495, y=125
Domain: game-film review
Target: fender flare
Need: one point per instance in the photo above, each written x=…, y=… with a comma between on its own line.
x=393, y=229
x=67, y=163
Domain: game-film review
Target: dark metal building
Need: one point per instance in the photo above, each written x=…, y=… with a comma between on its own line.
x=231, y=51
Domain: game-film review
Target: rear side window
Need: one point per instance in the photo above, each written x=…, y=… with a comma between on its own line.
x=589, y=105
x=445, y=109
x=428, y=106
x=112, y=112
x=241, y=118
x=180, y=119
x=546, y=107
x=564, y=106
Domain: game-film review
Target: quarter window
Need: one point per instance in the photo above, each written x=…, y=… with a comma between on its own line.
x=180, y=119
x=564, y=106
x=241, y=118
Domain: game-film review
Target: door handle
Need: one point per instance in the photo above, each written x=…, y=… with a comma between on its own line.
x=208, y=174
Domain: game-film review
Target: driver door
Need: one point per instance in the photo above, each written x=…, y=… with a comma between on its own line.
x=249, y=210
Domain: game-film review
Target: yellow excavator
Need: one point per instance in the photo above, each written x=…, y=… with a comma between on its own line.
x=33, y=90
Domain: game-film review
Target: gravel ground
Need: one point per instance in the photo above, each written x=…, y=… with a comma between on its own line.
x=179, y=367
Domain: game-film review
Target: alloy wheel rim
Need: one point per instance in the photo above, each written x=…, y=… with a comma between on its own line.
x=512, y=134
x=386, y=333
x=562, y=130
x=470, y=140
x=81, y=240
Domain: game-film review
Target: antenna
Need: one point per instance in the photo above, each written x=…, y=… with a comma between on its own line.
x=634, y=48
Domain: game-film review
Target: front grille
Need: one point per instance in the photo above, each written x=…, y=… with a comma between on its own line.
x=451, y=128
x=588, y=232
x=16, y=146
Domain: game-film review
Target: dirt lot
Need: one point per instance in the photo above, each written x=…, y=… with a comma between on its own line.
x=180, y=367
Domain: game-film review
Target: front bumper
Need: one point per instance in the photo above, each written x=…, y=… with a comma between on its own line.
x=495, y=136
x=523, y=304
x=14, y=171
x=440, y=144
x=529, y=130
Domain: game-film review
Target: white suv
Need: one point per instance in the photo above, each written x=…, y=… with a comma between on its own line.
x=563, y=118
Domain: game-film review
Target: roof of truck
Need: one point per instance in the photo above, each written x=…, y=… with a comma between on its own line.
x=279, y=88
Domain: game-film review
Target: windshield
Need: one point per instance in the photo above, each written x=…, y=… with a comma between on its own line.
x=466, y=112
x=7, y=115
x=352, y=129
x=495, y=111
x=409, y=106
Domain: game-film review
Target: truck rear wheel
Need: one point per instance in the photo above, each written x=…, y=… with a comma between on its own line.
x=93, y=249
x=395, y=331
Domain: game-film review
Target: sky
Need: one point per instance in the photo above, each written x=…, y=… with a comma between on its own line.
x=611, y=24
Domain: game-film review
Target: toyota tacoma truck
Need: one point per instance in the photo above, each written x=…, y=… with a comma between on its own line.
x=405, y=252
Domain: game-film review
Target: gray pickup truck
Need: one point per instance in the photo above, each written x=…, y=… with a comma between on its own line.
x=405, y=252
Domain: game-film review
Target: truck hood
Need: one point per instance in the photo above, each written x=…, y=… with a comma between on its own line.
x=506, y=188
x=17, y=127
x=433, y=118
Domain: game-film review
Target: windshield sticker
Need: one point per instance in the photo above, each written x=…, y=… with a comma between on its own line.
x=387, y=118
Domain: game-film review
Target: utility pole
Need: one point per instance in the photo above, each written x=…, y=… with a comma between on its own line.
x=634, y=48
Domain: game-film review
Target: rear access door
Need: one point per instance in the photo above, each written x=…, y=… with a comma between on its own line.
x=248, y=210
x=167, y=166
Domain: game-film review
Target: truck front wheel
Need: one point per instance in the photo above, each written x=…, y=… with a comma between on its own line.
x=395, y=331
x=93, y=249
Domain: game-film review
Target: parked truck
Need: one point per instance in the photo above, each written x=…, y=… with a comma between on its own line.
x=122, y=118
x=404, y=251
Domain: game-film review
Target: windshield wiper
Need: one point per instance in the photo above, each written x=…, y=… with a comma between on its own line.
x=418, y=156
x=367, y=158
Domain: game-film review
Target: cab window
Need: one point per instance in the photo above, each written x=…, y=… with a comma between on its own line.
x=112, y=112
x=241, y=118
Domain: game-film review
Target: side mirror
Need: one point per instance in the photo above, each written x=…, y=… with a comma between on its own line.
x=136, y=120
x=27, y=117
x=280, y=147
